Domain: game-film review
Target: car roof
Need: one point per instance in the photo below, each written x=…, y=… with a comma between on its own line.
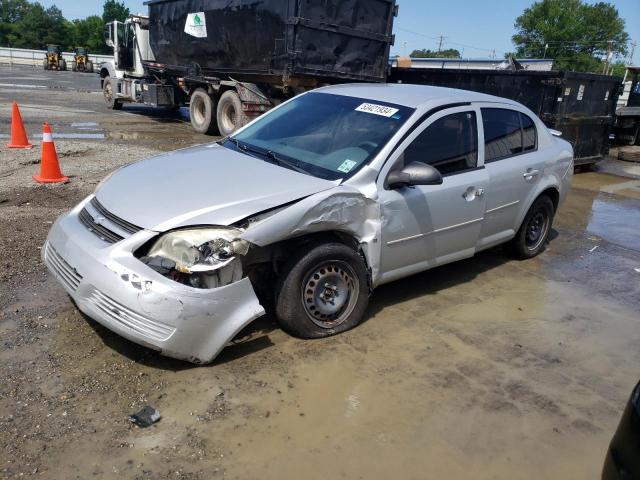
x=410, y=95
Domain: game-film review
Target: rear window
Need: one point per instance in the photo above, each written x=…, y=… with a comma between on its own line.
x=507, y=133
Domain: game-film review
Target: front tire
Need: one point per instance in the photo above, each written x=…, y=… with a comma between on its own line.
x=322, y=291
x=533, y=234
x=109, y=95
x=201, y=108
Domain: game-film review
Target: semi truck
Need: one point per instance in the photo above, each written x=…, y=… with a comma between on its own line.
x=231, y=60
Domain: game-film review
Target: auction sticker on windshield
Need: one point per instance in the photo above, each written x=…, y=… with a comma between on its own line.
x=346, y=166
x=377, y=109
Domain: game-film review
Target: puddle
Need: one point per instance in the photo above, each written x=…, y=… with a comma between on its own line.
x=85, y=126
x=66, y=136
x=617, y=221
x=18, y=85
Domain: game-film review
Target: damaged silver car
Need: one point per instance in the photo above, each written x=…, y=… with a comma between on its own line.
x=306, y=210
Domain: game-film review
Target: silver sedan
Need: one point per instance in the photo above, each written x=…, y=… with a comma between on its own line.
x=307, y=209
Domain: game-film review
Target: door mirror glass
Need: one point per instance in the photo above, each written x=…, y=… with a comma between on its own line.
x=415, y=173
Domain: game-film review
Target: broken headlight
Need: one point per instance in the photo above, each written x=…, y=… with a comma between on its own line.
x=199, y=257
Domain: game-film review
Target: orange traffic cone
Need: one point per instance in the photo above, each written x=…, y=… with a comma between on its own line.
x=49, y=166
x=18, y=134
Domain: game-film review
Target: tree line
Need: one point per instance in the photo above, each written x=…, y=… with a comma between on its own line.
x=25, y=24
x=578, y=36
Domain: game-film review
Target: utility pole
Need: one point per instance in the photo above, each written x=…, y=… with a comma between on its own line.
x=633, y=50
x=609, y=53
x=442, y=37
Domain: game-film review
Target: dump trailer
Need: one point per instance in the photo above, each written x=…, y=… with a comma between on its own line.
x=627, y=125
x=580, y=105
x=231, y=60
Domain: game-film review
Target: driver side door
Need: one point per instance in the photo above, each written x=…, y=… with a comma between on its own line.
x=428, y=225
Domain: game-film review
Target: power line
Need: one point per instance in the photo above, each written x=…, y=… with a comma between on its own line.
x=439, y=38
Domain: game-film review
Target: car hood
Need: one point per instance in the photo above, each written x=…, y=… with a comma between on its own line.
x=208, y=184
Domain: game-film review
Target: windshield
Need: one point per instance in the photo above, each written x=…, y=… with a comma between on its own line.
x=324, y=135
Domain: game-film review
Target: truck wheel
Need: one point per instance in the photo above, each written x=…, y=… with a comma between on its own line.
x=89, y=66
x=109, y=95
x=230, y=114
x=45, y=64
x=322, y=291
x=532, y=236
x=201, y=109
x=74, y=67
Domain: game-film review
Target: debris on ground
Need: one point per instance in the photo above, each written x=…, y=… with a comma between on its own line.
x=145, y=417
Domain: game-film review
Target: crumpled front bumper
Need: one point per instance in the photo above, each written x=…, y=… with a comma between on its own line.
x=114, y=288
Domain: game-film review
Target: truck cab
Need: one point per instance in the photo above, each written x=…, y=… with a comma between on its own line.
x=122, y=77
x=130, y=43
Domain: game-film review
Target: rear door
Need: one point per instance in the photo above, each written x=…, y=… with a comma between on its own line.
x=429, y=225
x=514, y=166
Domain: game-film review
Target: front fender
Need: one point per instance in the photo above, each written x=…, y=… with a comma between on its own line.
x=341, y=209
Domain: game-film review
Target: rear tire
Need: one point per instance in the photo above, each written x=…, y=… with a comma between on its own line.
x=89, y=66
x=532, y=236
x=230, y=114
x=322, y=291
x=109, y=95
x=201, y=108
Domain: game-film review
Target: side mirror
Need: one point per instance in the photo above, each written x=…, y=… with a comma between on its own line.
x=416, y=173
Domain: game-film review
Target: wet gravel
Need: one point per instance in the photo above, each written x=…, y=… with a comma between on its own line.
x=504, y=369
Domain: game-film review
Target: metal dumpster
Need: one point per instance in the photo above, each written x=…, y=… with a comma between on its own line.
x=275, y=39
x=580, y=105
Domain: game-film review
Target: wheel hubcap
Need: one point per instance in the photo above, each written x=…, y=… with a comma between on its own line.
x=330, y=293
x=536, y=230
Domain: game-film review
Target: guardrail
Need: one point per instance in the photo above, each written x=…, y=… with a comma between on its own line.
x=34, y=58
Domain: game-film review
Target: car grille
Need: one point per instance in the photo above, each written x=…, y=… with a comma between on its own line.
x=68, y=275
x=128, y=318
x=123, y=224
x=105, y=224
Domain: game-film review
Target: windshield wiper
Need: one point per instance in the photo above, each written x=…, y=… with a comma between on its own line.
x=269, y=154
x=285, y=163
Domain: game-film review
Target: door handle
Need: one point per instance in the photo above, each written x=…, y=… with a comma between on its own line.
x=530, y=173
x=471, y=193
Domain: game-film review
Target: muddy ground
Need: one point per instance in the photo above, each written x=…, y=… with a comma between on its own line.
x=489, y=368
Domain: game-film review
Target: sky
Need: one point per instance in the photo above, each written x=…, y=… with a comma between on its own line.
x=475, y=27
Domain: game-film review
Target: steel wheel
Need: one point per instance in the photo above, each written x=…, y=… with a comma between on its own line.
x=108, y=93
x=536, y=230
x=330, y=293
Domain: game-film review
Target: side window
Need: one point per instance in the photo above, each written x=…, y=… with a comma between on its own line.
x=528, y=133
x=450, y=144
x=502, y=135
